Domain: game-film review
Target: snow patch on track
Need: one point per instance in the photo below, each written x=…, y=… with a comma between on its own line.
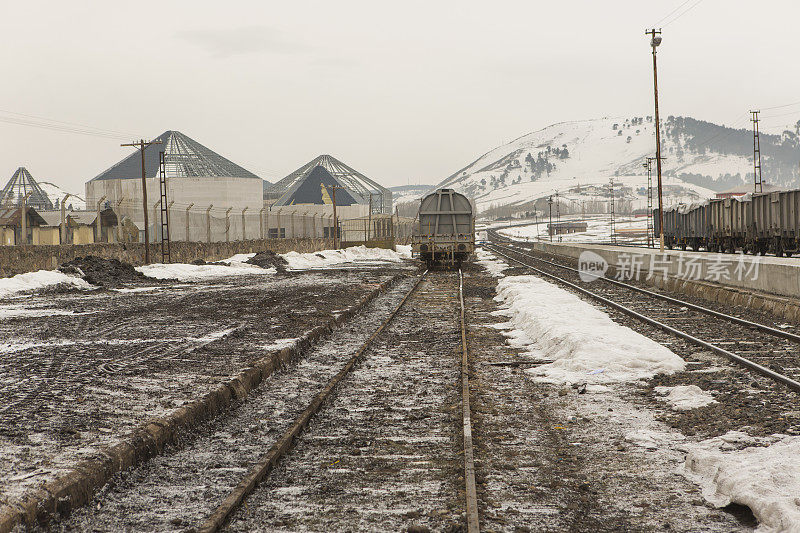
x=761, y=473
x=491, y=263
x=582, y=342
x=685, y=397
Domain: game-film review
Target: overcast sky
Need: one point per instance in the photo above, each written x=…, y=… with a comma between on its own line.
x=405, y=93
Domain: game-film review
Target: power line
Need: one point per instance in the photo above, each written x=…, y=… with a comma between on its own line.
x=670, y=13
x=780, y=106
x=74, y=124
x=698, y=2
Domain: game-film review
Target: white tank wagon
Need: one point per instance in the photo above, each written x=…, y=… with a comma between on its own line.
x=445, y=231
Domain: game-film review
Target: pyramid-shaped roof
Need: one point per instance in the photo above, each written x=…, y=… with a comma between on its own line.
x=316, y=188
x=20, y=184
x=184, y=157
x=357, y=186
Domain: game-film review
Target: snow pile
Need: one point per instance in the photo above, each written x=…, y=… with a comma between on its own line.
x=490, y=262
x=31, y=281
x=238, y=258
x=403, y=250
x=584, y=344
x=327, y=258
x=685, y=397
x=186, y=272
x=737, y=468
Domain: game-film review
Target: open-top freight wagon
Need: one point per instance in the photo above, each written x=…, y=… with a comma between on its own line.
x=445, y=232
x=757, y=223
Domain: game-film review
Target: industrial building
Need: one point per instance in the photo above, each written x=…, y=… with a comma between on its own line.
x=311, y=188
x=21, y=185
x=207, y=193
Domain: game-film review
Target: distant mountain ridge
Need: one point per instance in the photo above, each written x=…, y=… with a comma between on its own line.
x=701, y=158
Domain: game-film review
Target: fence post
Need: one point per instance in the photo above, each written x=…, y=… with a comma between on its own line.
x=156, y=226
x=278, y=223
x=244, y=226
x=261, y=222
x=314, y=226
x=98, y=229
x=187, y=221
x=208, y=223
x=228, y=225
x=119, y=218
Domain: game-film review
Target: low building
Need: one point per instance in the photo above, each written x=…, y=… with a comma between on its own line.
x=15, y=230
x=562, y=228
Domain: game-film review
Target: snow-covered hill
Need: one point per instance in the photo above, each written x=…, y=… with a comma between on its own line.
x=56, y=195
x=577, y=160
x=409, y=193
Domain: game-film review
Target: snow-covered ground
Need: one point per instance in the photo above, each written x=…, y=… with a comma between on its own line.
x=598, y=230
x=236, y=265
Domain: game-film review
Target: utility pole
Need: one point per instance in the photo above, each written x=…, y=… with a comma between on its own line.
x=141, y=145
x=757, y=185
x=611, y=189
x=655, y=40
x=558, y=216
x=335, y=217
x=650, y=227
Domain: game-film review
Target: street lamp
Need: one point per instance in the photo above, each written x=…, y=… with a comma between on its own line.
x=655, y=41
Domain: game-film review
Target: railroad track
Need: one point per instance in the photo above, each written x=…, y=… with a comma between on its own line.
x=237, y=497
x=766, y=350
x=387, y=434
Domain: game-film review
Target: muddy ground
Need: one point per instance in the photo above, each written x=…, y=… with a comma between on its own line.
x=80, y=369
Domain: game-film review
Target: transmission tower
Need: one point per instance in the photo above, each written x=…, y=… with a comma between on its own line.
x=756, y=154
x=162, y=183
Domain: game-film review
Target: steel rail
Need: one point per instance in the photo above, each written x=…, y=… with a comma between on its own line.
x=473, y=525
x=742, y=322
x=764, y=371
x=285, y=443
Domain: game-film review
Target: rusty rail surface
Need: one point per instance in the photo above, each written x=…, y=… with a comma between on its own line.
x=469, y=458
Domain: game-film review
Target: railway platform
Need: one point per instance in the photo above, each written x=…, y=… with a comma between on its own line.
x=762, y=282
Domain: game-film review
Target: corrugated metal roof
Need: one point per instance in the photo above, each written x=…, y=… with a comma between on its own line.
x=184, y=157
x=10, y=216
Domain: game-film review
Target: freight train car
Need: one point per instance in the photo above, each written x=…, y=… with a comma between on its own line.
x=445, y=232
x=757, y=223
